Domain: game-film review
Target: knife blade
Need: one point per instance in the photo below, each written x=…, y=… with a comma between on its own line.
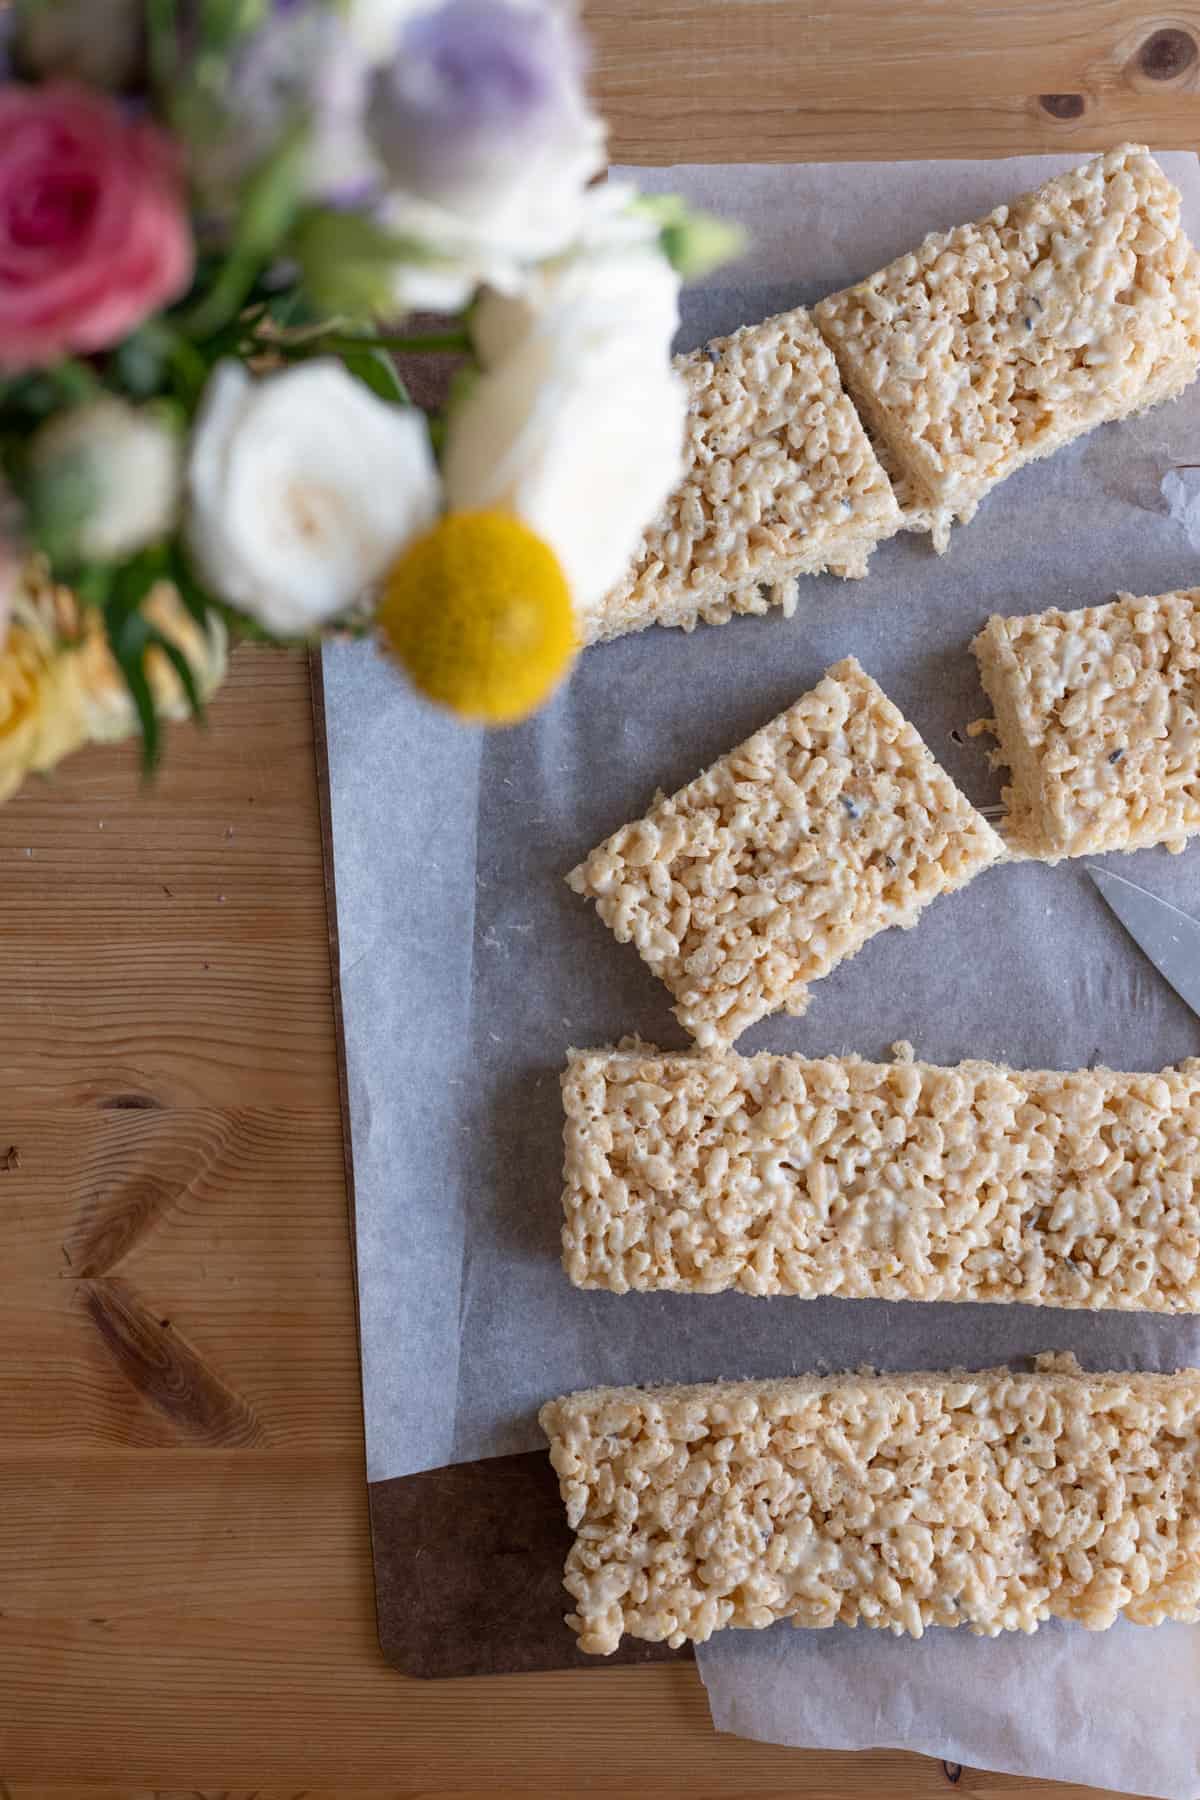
x=1168, y=937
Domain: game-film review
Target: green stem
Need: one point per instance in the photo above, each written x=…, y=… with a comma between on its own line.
x=162, y=29
x=225, y=297
x=187, y=365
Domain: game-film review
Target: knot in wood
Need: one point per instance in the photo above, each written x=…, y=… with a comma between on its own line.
x=1062, y=106
x=1167, y=54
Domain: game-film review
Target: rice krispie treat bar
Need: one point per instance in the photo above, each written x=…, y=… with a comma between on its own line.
x=781, y=1175
x=993, y=1501
x=1098, y=718
x=828, y=825
x=779, y=481
x=1002, y=340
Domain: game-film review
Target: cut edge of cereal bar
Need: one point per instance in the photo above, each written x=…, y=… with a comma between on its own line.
x=1103, y=784
x=1024, y=823
x=1000, y=1501
x=1164, y=276
x=821, y=508
x=791, y=1175
x=729, y=965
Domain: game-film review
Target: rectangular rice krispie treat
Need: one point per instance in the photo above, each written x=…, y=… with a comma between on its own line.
x=993, y=1501
x=828, y=825
x=780, y=481
x=1003, y=340
x=1098, y=718
x=781, y=1175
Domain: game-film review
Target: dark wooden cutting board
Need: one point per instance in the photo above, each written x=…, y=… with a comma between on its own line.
x=468, y=1572
x=469, y=1558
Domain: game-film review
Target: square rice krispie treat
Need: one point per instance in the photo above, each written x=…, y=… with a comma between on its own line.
x=1098, y=718
x=1002, y=340
x=993, y=1501
x=828, y=825
x=779, y=481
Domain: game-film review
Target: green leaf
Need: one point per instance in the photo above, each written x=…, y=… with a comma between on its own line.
x=290, y=307
x=130, y=634
x=182, y=667
x=158, y=358
x=131, y=583
x=39, y=393
x=30, y=397
x=127, y=641
x=196, y=598
x=267, y=208
x=139, y=365
x=202, y=605
x=348, y=262
x=701, y=245
x=92, y=584
x=133, y=670
x=694, y=243
x=272, y=195
x=223, y=22
x=162, y=42
x=376, y=370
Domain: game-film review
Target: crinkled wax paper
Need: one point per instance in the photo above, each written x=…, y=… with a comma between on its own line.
x=468, y=968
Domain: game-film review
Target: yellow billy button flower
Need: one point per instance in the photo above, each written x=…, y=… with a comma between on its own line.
x=478, y=611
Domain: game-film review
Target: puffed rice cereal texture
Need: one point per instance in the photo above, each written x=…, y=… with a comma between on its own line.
x=830, y=824
x=1002, y=340
x=783, y=1175
x=779, y=481
x=993, y=1500
x=1097, y=713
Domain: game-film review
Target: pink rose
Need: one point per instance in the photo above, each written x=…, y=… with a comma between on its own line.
x=93, y=223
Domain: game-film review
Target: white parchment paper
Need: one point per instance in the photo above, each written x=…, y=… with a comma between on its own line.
x=468, y=968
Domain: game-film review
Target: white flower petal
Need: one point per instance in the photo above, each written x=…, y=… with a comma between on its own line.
x=593, y=509
x=375, y=25
x=577, y=423
x=304, y=487
x=489, y=205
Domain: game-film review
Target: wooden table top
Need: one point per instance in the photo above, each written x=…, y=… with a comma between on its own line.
x=185, y=1578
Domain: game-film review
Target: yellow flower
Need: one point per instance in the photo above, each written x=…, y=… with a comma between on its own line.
x=479, y=613
x=41, y=710
x=108, y=708
x=60, y=687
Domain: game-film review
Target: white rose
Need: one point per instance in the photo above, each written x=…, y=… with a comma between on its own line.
x=482, y=124
x=576, y=424
x=107, y=478
x=302, y=489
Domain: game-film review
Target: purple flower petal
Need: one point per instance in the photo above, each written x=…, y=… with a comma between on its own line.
x=472, y=81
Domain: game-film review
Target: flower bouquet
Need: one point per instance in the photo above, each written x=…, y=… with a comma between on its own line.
x=220, y=223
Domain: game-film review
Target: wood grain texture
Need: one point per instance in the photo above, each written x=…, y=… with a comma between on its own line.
x=186, y=1603
x=772, y=81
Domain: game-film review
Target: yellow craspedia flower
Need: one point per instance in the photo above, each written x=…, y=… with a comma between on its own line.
x=478, y=611
x=41, y=710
